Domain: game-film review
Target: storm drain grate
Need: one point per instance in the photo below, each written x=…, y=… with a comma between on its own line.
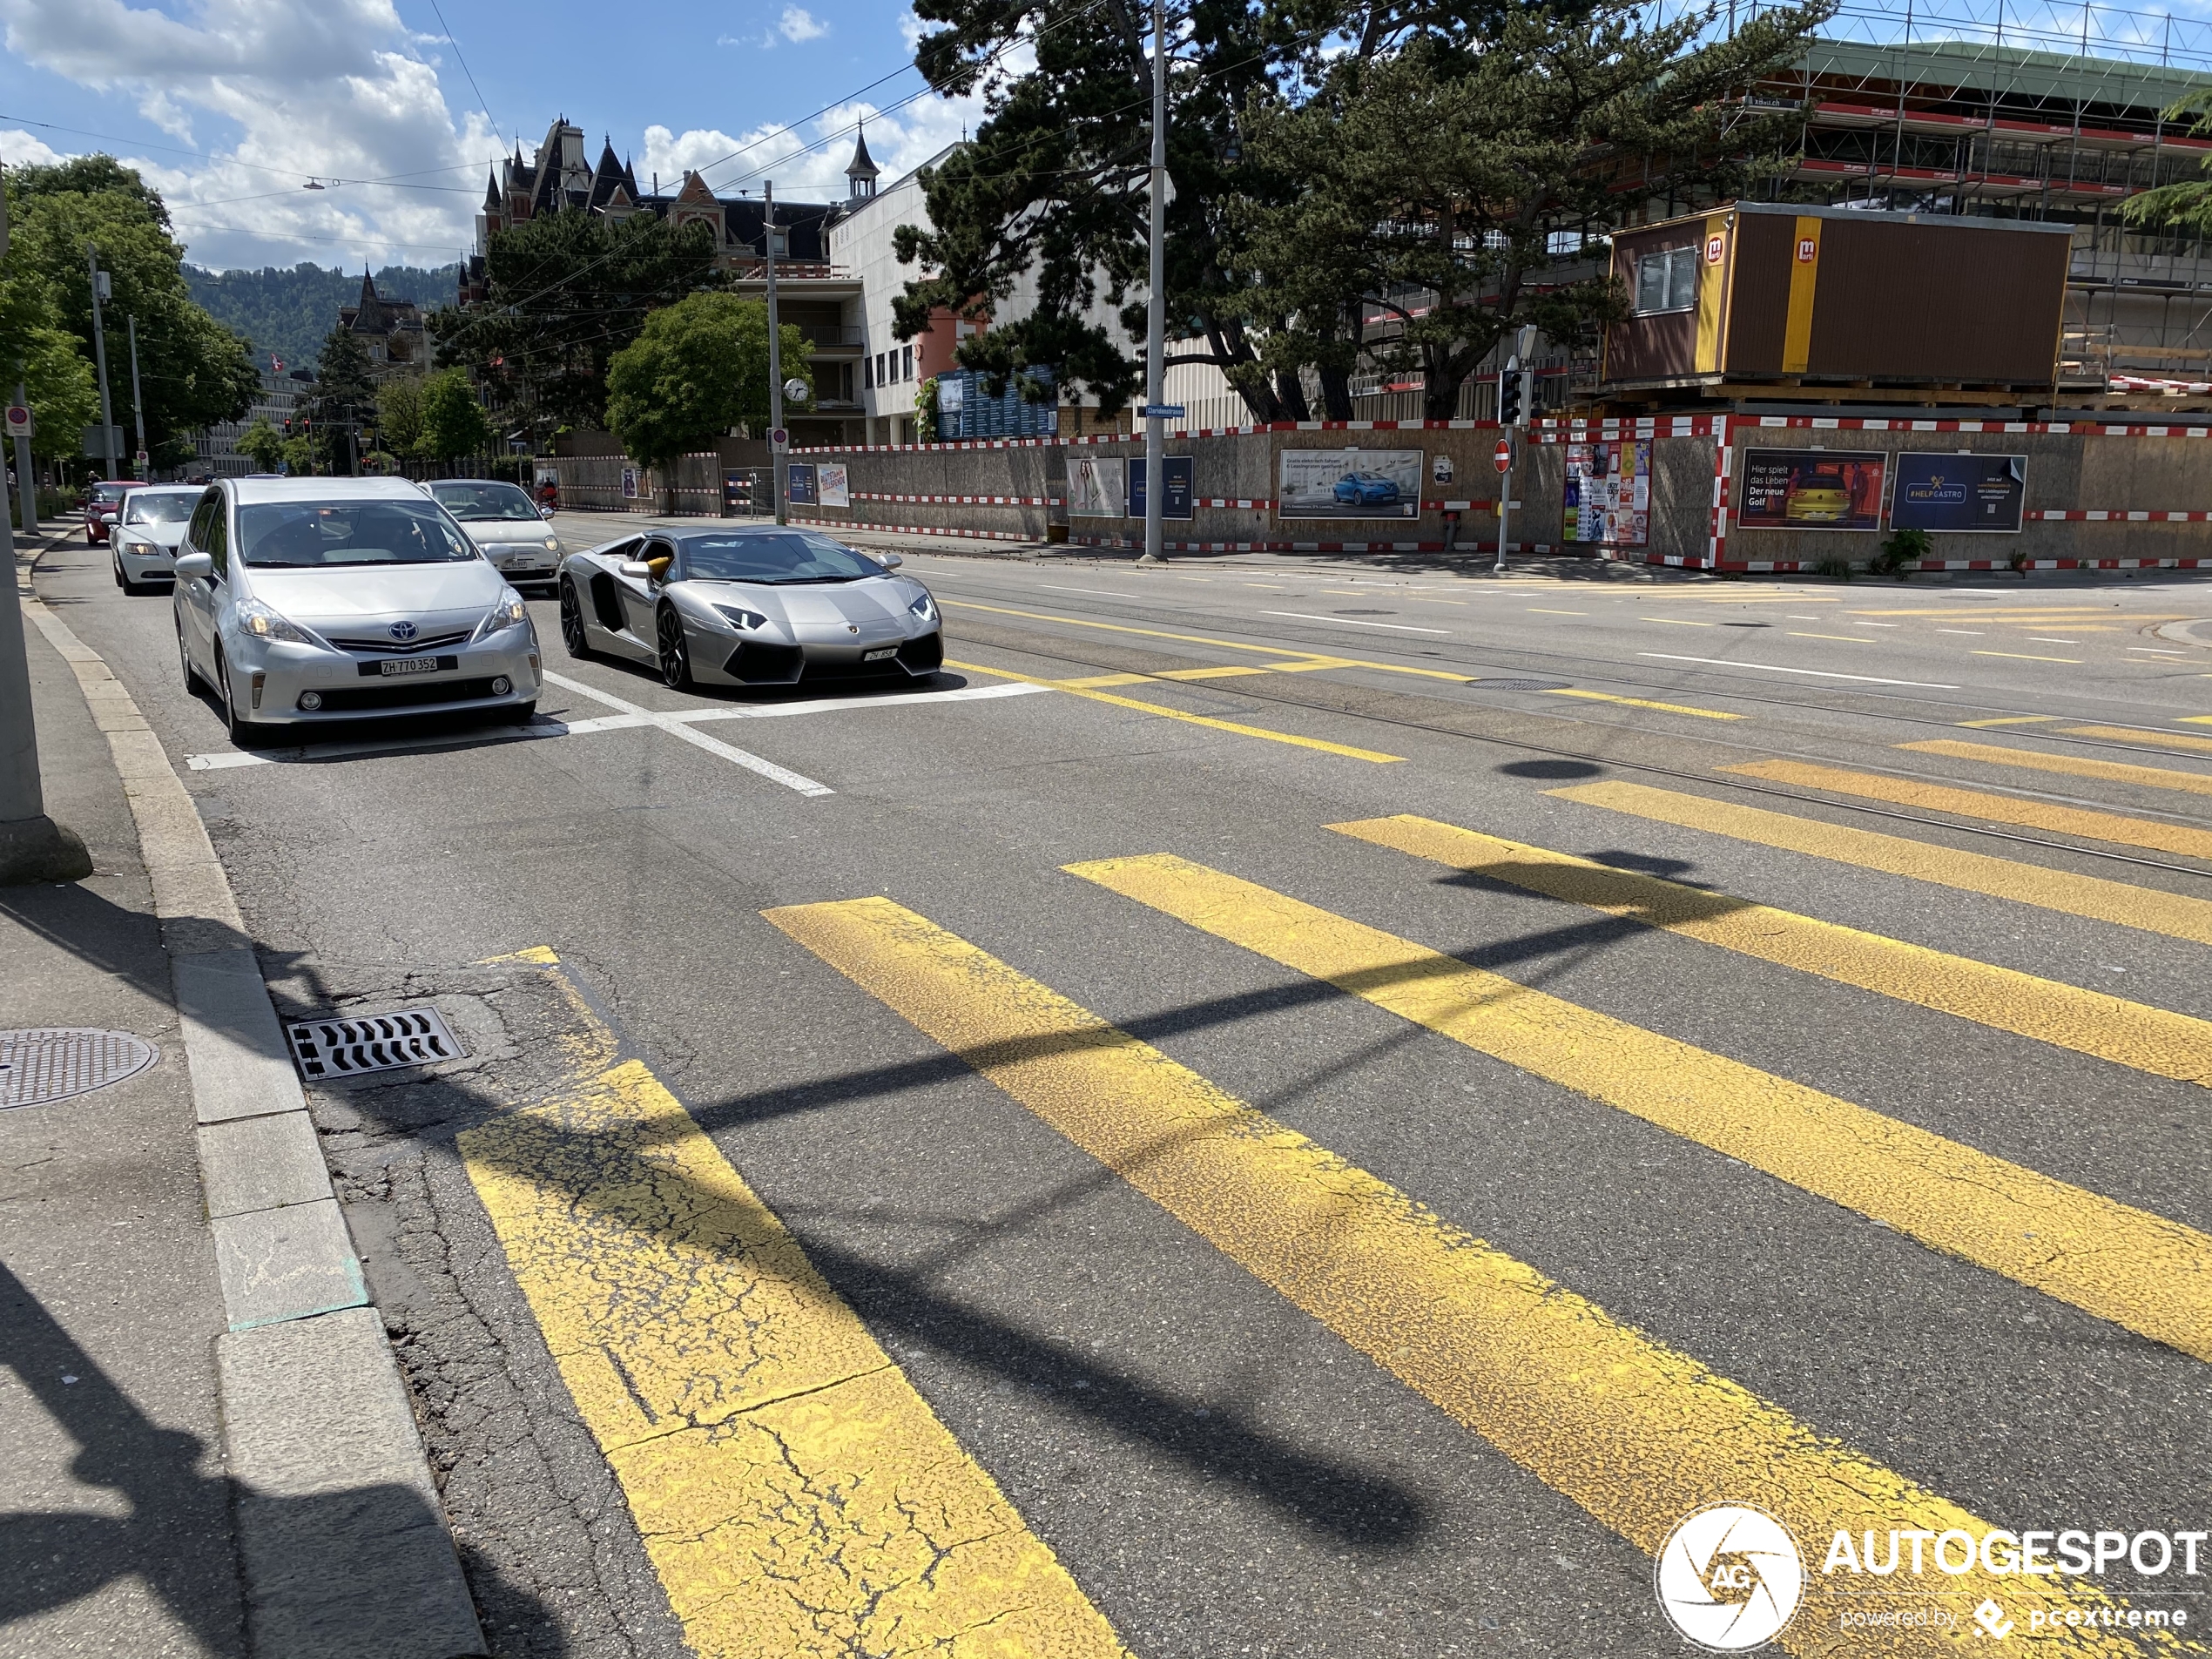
x=59, y=1061
x=1521, y=685
x=372, y=1042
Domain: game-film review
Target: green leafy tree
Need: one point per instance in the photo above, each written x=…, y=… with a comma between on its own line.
x=299, y=457
x=62, y=391
x=1322, y=156
x=345, y=395
x=567, y=292
x=262, y=444
x=699, y=368
x=1454, y=189
x=193, y=372
x=454, y=423
x=399, y=414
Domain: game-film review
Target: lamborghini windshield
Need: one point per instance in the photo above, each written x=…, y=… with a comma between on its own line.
x=777, y=558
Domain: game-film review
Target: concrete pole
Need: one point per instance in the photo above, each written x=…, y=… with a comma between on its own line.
x=100, y=353
x=137, y=408
x=1156, y=303
x=27, y=479
x=32, y=847
x=775, y=356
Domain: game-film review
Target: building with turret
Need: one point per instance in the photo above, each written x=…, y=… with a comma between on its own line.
x=391, y=331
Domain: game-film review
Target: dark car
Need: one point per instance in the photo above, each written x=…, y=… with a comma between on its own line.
x=103, y=505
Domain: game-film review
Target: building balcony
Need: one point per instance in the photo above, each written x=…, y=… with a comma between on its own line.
x=831, y=336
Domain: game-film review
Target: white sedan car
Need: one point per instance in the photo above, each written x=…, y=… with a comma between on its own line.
x=143, y=540
x=316, y=599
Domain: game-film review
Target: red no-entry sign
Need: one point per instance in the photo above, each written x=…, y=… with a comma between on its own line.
x=1504, y=457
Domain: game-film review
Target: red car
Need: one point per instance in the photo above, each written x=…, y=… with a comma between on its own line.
x=103, y=506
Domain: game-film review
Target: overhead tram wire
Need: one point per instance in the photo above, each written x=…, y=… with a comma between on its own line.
x=454, y=41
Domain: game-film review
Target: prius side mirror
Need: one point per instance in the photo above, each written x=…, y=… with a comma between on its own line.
x=194, y=567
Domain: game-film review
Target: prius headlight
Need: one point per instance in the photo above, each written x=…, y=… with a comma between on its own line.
x=925, y=607
x=507, y=610
x=262, y=623
x=740, y=617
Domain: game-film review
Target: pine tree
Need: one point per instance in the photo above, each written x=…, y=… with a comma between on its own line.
x=345, y=396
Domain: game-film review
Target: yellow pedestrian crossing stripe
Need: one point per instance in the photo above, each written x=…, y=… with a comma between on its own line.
x=1973, y=803
x=2131, y=734
x=1636, y=1433
x=2138, y=1269
x=1642, y=703
x=2118, y=771
x=795, y=1493
x=2174, y=914
x=2091, y=1023
x=1086, y=689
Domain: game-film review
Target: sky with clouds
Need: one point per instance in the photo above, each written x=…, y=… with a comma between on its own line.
x=233, y=108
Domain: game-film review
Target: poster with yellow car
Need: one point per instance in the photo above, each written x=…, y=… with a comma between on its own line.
x=1812, y=490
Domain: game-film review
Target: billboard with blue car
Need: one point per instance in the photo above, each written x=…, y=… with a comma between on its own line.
x=1349, y=483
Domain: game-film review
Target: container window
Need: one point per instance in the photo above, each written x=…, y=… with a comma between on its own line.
x=1667, y=280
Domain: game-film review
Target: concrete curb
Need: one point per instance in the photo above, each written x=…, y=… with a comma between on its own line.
x=347, y=1553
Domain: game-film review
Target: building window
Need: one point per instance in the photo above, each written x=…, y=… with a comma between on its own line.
x=879, y=380
x=909, y=374
x=868, y=375
x=1667, y=280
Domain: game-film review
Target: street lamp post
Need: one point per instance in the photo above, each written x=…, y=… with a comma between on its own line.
x=99, y=353
x=138, y=406
x=1156, y=304
x=775, y=356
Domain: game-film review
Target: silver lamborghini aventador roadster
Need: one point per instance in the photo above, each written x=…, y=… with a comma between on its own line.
x=752, y=605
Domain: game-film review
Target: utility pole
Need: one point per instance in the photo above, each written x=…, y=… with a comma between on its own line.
x=775, y=357
x=100, y=353
x=1155, y=309
x=138, y=408
x=27, y=484
x=32, y=847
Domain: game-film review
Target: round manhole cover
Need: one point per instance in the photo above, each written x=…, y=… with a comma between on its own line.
x=57, y=1063
x=1520, y=685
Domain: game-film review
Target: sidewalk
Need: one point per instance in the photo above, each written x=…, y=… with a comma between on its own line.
x=213, y=1453
x=116, y=1536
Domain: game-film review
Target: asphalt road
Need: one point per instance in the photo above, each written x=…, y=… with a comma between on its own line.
x=1771, y=1209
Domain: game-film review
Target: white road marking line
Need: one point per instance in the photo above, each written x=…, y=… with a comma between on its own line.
x=2156, y=651
x=1971, y=633
x=1775, y=668
x=1354, y=622
x=548, y=728
x=2045, y=639
x=1874, y=624
x=1103, y=593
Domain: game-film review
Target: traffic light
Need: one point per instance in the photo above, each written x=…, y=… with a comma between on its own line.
x=1509, y=393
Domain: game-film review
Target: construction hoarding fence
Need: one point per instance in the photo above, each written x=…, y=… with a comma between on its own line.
x=1721, y=492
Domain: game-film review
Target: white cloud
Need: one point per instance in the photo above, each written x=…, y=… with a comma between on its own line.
x=337, y=89
x=19, y=149
x=798, y=25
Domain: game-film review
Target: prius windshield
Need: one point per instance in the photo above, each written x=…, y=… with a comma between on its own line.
x=307, y=535
x=776, y=557
x=483, y=500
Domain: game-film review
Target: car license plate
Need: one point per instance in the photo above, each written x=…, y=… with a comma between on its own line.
x=877, y=655
x=391, y=667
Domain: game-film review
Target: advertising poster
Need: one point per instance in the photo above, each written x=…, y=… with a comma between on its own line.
x=629, y=484
x=1970, y=493
x=798, y=484
x=1811, y=489
x=1608, y=492
x=830, y=483
x=1349, y=483
x=1177, y=502
x=1097, y=487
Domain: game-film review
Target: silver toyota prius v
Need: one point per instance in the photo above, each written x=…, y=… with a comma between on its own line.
x=317, y=599
x=753, y=605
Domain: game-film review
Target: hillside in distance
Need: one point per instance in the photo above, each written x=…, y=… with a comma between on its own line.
x=287, y=312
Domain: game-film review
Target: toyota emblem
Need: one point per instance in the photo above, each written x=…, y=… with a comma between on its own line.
x=403, y=630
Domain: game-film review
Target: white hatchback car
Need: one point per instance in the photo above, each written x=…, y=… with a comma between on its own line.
x=143, y=540
x=505, y=522
x=314, y=599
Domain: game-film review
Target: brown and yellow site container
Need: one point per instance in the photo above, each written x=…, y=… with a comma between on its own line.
x=1767, y=293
